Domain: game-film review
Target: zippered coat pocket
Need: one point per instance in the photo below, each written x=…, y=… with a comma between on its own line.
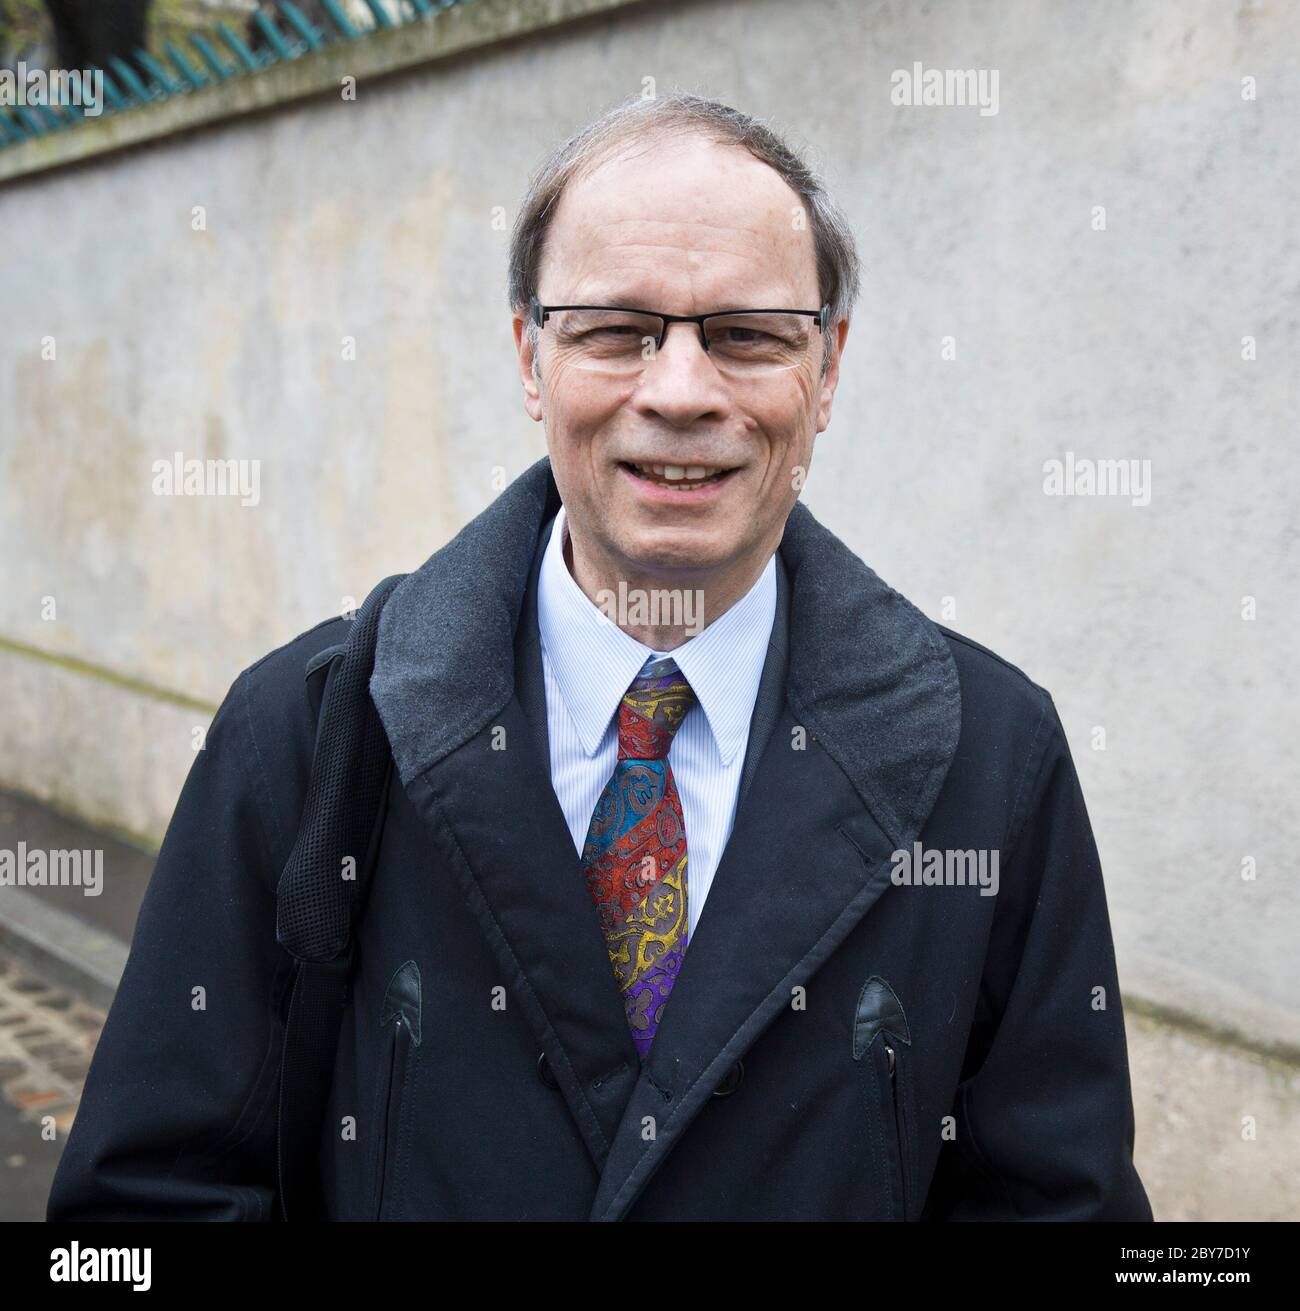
x=400, y=1016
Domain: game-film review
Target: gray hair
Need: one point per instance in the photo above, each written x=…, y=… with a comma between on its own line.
x=680, y=113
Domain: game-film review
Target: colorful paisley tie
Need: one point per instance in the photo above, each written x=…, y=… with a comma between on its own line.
x=635, y=853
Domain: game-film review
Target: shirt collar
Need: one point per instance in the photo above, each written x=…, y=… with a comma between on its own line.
x=594, y=661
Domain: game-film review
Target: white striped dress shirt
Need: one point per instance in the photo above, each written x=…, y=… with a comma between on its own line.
x=588, y=662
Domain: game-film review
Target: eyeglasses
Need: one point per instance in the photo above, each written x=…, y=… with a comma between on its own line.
x=621, y=341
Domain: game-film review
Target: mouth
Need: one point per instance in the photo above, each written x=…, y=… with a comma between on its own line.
x=675, y=479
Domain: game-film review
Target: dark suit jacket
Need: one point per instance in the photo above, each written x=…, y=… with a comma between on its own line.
x=837, y=1045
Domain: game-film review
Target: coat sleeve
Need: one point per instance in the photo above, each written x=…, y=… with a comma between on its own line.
x=178, y=1116
x=1043, y=1115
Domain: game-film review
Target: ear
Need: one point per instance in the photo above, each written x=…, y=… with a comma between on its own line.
x=832, y=378
x=527, y=366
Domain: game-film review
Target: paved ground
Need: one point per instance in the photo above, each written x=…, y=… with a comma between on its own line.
x=47, y=1036
x=48, y=1027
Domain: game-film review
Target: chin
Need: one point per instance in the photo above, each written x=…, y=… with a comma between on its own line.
x=673, y=549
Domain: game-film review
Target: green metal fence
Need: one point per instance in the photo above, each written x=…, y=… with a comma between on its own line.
x=213, y=57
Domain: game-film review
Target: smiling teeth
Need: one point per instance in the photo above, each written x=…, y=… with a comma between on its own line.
x=688, y=476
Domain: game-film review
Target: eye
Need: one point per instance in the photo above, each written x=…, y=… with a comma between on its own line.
x=746, y=336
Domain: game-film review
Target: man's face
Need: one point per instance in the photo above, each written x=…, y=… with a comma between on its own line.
x=688, y=227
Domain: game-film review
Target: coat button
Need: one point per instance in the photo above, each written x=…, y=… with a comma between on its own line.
x=731, y=1080
x=544, y=1071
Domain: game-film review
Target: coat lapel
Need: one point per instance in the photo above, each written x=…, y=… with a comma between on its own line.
x=870, y=684
x=498, y=824
x=471, y=763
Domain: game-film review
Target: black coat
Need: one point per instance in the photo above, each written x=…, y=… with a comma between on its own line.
x=837, y=1046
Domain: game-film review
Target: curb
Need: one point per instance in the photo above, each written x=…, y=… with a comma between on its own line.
x=62, y=948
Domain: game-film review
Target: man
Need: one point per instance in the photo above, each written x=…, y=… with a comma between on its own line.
x=715, y=880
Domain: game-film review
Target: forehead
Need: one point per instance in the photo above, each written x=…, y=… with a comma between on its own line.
x=684, y=219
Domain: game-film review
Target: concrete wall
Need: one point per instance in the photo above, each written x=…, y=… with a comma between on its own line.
x=387, y=220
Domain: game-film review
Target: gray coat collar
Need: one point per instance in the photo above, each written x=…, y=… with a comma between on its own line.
x=868, y=675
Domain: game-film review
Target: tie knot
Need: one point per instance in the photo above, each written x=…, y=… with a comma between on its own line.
x=652, y=711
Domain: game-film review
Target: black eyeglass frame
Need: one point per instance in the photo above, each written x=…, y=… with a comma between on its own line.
x=539, y=313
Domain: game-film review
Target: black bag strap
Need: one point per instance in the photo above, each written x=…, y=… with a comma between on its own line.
x=322, y=891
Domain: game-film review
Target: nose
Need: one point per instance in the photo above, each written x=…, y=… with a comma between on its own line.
x=691, y=332
x=679, y=383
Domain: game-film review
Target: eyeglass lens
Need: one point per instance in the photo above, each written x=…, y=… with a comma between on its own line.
x=623, y=341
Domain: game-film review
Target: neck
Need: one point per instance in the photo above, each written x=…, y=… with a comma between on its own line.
x=660, y=610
